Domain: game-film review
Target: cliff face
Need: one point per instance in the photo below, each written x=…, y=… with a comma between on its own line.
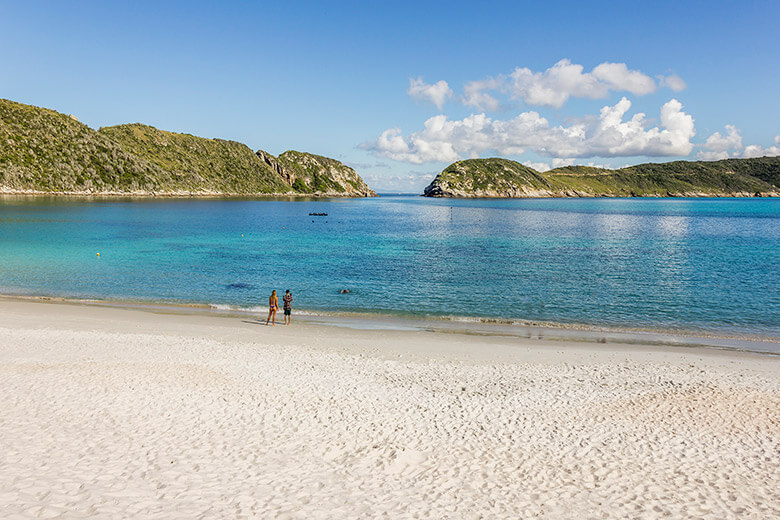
x=44, y=151
x=309, y=173
x=509, y=179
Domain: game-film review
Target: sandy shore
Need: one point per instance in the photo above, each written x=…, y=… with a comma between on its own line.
x=116, y=413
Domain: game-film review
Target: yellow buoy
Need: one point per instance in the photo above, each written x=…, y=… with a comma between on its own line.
x=242, y=234
x=98, y=254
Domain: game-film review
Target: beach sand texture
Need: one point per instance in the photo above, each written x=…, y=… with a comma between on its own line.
x=111, y=413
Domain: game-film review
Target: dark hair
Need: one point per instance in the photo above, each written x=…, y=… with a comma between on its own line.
x=288, y=290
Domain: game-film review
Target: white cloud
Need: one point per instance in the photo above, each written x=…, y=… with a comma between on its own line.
x=673, y=81
x=618, y=77
x=558, y=162
x=565, y=79
x=437, y=93
x=411, y=182
x=607, y=135
x=712, y=156
x=474, y=93
x=756, y=150
x=538, y=166
x=551, y=87
x=718, y=146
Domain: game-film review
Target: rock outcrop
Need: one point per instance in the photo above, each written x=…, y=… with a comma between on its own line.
x=273, y=163
x=309, y=173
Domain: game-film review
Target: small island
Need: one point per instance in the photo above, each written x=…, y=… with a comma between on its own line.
x=503, y=178
x=45, y=152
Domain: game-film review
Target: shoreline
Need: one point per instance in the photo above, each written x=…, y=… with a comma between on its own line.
x=114, y=195
x=336, y=195
x=447, y=324
x=583, y=195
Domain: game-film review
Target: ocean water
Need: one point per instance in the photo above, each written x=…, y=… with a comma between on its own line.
x=709, y=265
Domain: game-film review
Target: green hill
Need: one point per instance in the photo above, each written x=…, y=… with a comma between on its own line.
x=505, y=178
x=492, y=177
x=44, y=151
x=198, y=164
x=309, y=173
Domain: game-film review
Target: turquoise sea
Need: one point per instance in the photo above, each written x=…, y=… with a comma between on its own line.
x=705, y=265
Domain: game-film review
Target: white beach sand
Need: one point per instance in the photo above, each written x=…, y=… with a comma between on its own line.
x=116, y=413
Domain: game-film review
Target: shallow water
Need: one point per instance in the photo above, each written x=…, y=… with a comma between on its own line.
x=696, y=264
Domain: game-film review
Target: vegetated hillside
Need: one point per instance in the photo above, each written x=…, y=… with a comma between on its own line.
x=197, y=164
x=43, y=150
x=730, y=177
x=492, y=177
x=309, y=173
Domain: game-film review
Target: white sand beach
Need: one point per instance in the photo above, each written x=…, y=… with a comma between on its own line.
x=121, y=413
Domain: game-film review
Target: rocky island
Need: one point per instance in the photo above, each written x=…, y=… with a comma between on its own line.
x=44, y=151
x=503, y=178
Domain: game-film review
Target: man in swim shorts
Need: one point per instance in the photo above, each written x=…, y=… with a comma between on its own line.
x=287, y=299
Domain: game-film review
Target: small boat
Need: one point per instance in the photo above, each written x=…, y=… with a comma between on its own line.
x=318, y=214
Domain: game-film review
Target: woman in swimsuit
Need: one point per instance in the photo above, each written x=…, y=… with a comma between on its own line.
x=273, y=306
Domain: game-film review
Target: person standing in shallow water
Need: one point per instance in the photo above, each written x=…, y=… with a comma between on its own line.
x=287, y=299
x=273, y=306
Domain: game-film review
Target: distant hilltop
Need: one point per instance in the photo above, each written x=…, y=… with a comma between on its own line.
x=44, y=151
x=503, y=178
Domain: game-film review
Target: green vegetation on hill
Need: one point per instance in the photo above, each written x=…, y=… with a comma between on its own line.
x=487, y=177
x=505, y=178
x=198, y=164
x=44, y=151
x=314, y=173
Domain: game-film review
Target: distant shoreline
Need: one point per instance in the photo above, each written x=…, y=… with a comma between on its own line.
x=175, y=195
x=736, y=195
x=297, y=196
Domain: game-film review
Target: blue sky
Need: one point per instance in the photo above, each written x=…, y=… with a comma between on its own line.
x=399, y=90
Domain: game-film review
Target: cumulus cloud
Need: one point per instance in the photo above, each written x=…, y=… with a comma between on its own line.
x=756, y=150
x=718, y=146
x=607, y=135
x=555, y=85
x=549, y=88
x=618, y=77
x=565, y=79
x=437, y=93
x=538, y=166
